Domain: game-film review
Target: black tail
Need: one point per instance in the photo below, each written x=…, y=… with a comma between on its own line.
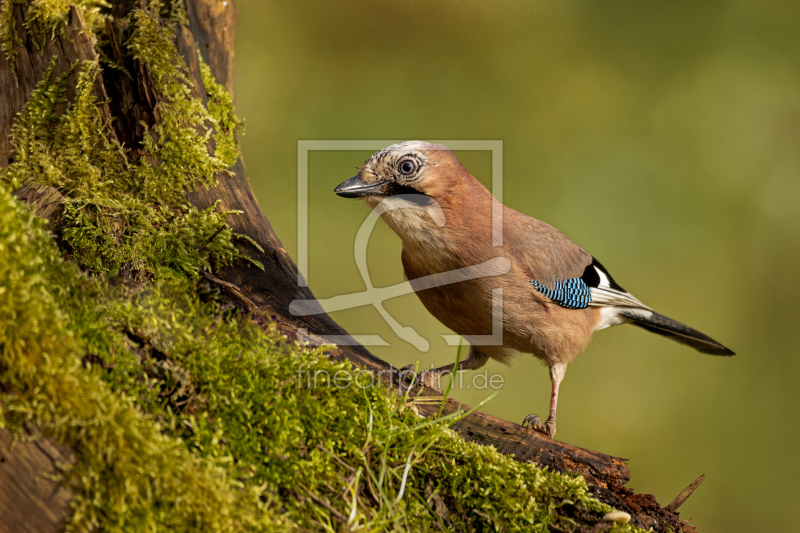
x=677, y=331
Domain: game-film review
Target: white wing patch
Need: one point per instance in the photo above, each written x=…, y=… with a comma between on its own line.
x=603, y=278
x=613, y=300
x=611, y=316
x=604, y=295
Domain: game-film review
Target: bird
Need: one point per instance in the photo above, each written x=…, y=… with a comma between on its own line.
x=555, y=295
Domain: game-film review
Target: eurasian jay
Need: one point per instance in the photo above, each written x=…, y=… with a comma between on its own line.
x=555, y=295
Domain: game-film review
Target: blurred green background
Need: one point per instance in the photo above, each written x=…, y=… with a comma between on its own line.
x=662, y=137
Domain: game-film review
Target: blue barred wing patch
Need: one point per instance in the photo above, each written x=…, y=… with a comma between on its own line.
x=571, y=293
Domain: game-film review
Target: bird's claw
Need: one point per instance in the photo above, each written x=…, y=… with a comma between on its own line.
x=547, y=429
x=534, y=422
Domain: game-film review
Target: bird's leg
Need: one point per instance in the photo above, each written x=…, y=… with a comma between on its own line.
x=557, y=373
x=430, y=378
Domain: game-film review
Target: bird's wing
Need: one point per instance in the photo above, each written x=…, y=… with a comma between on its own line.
x=569, y=276
x=605, y=291
x=560, y=269
x=546, y=254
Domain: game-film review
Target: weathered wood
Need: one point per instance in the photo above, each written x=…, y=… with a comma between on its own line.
x=32, y=499
x=531, y=446
x=233, y=292
x=131, y=102
x=44, y=201
x=213, y=25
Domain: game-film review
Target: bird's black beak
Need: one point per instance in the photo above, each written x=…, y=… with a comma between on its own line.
x=355, y=188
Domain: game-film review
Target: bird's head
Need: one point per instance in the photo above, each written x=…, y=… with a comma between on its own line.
x=421, y=190
x=409, y=168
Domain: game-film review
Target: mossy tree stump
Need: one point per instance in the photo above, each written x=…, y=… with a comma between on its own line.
x=128, y=95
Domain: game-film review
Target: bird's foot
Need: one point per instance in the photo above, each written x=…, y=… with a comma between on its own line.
x=550, y=424
x=428, y=378
x=547, y=429
x=535, y=423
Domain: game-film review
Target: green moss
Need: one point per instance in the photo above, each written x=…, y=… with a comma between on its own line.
x=220, y=107
x=188, y=415
x=130, y=476
x=45, y=17
x=9, y=38
x=43, y=20
x=129, y=214
x=179, y=141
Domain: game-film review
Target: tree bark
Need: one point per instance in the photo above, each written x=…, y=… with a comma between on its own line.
x=32, y=499
x=131, y=102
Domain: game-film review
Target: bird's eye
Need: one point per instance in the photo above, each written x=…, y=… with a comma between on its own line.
x=407, y=167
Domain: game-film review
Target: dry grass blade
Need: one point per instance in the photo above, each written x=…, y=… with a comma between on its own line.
x=684, y=495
